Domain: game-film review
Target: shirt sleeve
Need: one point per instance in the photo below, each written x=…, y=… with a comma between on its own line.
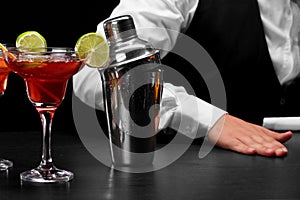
x=178, y=107
x=166, y=17
x=186, y=113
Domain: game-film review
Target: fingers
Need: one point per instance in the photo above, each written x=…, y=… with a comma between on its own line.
x=246, y=145
x=247, y=138
x=264, y=144
x=242, y=148
x=270, y=143
x=281, y=137
x=267, y=148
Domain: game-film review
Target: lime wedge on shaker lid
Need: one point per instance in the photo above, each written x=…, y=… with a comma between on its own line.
x=30, y=39
x=94, y=48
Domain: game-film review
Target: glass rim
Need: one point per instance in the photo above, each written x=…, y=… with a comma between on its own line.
x=40, y=50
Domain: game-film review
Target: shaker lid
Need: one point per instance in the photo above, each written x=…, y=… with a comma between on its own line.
x=119, y=28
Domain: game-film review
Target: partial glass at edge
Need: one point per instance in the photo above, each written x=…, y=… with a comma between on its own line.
x=4, y=72
x=46, y=73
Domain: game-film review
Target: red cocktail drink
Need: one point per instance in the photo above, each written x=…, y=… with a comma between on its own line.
x=46, y=81
x=46, y=72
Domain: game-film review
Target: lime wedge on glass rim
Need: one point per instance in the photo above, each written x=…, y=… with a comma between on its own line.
x=31, y=40
x=94, y=48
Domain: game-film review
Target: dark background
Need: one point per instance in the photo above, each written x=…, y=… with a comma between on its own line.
x=61, y=23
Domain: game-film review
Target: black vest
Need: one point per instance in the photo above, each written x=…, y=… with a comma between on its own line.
x=231, y=31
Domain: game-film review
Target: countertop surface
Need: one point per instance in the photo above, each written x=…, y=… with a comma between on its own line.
x=221, y=174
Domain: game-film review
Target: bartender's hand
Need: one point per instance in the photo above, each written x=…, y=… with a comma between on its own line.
x=247, y=138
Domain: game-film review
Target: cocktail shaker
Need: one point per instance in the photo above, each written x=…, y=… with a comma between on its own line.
x=132, y=89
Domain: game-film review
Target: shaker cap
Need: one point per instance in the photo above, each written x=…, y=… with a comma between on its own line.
x=119, y=28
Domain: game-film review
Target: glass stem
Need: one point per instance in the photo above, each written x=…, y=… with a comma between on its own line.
x=46, y=118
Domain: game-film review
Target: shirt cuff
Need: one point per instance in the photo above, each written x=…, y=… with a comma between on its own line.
x=186, y=113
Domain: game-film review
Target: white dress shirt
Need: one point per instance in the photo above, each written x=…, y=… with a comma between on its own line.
x=281, y=21
x=177, y=105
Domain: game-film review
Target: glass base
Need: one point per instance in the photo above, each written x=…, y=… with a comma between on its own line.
x=5, y=164
x=40, y=175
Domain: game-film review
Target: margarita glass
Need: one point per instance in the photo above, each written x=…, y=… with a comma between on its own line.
x=46, y=72
x=4, y=72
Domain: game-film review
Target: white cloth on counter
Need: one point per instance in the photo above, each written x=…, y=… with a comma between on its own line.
x=282, y=123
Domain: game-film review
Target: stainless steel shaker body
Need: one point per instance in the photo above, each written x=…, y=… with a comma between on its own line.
x=132, y=86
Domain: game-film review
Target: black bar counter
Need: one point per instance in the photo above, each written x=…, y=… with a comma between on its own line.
x=221, y=174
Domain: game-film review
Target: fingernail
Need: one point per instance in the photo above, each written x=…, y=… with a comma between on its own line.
x=284, y=149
